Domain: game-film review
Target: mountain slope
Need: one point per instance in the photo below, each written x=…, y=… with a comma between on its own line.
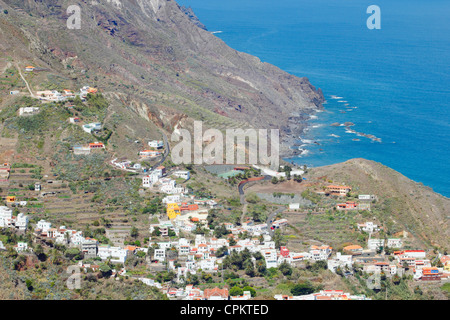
x=403, y=204
x=151, y=57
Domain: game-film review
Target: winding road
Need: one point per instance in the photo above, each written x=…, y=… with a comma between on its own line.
x=166, y=150
x=26, y=82
x=271, y=215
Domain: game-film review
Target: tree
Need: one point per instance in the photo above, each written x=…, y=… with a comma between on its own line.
x=278, y=239
x=258, y=256
x=105, y=270
x=134, y=232
x=156, y=232
x=207, y=277
x=171, y=233
x=73, y=253
x=252, y=198
x=261, y=266
x=192, y=279
x=274, y=180
x=221, y=251
x=220, y=231
x=39, y=252
x=236, y=291
x=318, y=265
x=302, y=289
x=396, y=279
x=250, y=270
x=418, y=291
x=285, y=268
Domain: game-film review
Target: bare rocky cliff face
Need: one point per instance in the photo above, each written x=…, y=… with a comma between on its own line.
x=159, y=58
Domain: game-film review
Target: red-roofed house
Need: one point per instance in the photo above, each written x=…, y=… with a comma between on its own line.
x=215, y=294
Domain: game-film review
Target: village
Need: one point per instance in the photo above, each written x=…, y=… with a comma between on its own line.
x=187, y=253
x=192, y=249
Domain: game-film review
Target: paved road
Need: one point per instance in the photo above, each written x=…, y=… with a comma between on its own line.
x=241, y=188
x=270, y=217
x=166, y=150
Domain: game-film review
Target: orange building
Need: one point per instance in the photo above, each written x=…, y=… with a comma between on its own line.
x=96, y=145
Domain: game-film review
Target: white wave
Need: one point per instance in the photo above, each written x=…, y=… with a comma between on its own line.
x=334, y=135
x=213, y=32
x=306, y=141
x=303, y=152
x=336, y=97
x=313, y=117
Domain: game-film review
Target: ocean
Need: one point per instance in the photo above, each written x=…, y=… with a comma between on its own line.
x=393, y=84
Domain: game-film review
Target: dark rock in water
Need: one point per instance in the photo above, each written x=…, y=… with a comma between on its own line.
x=336, y=124
x=349, y=124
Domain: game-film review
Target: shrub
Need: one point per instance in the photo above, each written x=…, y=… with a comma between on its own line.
x=302, y=289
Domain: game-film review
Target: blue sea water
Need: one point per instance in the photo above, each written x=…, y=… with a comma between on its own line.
x=393, y=83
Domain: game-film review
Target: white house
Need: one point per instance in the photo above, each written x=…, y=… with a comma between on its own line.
x=367, y=197
x=208, y=265
x=415, y=254
x=394, y=243
x=80, y=150
x=368, y=227
x=340, y=261
x=21, y=247
x=375, y=244
x=182, y=174
x=26, y=111
x=270, y=255
x=22, y=222
x=246, y=296
x=169, y=186
x=171, y=199
x=115, y=254
x=6, y=217
x=94, y=126
x=149, y=180
x=320, y=253
x=156, y=144
x=160, y=254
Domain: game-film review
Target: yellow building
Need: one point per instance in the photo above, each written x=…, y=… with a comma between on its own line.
x=173, y=210
x=10, y=199
x=447, y=266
